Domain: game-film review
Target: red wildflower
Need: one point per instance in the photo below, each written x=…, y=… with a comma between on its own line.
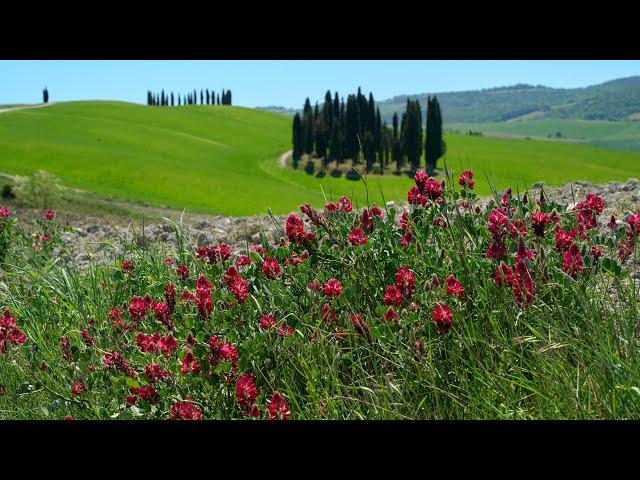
x=357, y=236
x=564, y=239
x=634, y=224
x=294, y=228
x=243, y=260
x=506, y=198
x=332, y=288
x=219, y=253
x=572, y=262
x=271, y=267
x=115, y=359
x=9, y=332
x=315, y=286
x=522, y=281
x=612, y=223
x=443, y=317
x=278, y=407
x=163, y=314
x=190, y=364
x=496, y=249
x=454, y=287
x=328, y=314
x=405, y=220
x=539, y=220
x=155, y=373
x=498, y=222
x=49, y=214
x=147, y=392
x=391, y=316
x=405, y=280
x=168, y=261
x=246, y=391
x=182, y=271
x=4, y=213
x=130, y=400
x=517, y=229
x=392, y=296
x=523, y=253
x=87, y=339
x=415, y=197
x=137, y=308
x=267, y=322
x=78, y=387
x=285, y=330
x=185, y=411
x=65, y=346
x=466, y=179
x=407, y=238
x=127, y=266
x=259, y=249
x=43, y=366
x=596, y=252
x=345, y=204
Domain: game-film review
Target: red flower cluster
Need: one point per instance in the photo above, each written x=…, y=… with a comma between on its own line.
x=294, y=228
x=243, y=260
x=572, y=261
x=466, y=179
x=215, y=254
x=182, y=271
x=539, y=220
x=4, y=213
x=49, y=214
x=78, y=387
x=190, y=364
x=238, y=285
x=392, y=296
x=443, y=317
x=332, y=288
x=426, y=188
x=246, y=395
x=587, y=212
x=271, y=268
x=278, y=407
x=454, y=287
x=222, y=352
x=564, y=239
x=267, y=322
x=146, y=392
x=155, y=373
x=342, y=205
x=115, y=359
x=519, y=280
x=185, y=411
x=138, y=308
x=9, y=332
x=405, y=280
x=202, y=298
x=357, y=236
x=367, y=217
x=153, y=343
x=170, y=296
x=626, y=247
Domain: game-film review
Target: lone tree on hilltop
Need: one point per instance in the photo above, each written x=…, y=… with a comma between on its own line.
x=45, y=95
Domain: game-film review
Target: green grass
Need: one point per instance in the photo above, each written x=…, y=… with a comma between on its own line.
x=612, y=135
x=223, y=160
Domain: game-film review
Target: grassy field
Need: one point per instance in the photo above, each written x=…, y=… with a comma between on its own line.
x=223, y=160
x=623, y=136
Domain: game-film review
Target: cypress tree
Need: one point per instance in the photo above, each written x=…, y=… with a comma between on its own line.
x=148, y=97
x=377, y=134
x=351, y=130
x=320, y=137
x=307, y=133
x=434, y=144
x=296, y=140
x=229, y=97
x=178, y=99
x=335, y=141
x=172, y=100
x=307, y=106
x=327, y=111
x=45, y=95
x=336, y=106
x=208, y=96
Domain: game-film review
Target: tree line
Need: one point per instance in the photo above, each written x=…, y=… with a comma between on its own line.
x=339, y=131
x=207, y=97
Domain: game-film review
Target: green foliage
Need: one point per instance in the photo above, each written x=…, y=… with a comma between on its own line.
x=7, y=191
x=40, y=190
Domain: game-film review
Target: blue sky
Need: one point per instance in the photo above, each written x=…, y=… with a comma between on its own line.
x=288, y=83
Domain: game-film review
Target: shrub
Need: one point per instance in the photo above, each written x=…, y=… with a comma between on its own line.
x=7, y=191
x=39, y=190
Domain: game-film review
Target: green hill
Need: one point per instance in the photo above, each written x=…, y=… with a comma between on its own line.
x=614, y=100
x=219, y=159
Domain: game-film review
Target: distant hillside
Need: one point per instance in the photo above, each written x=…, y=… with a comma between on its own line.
x=614, y=100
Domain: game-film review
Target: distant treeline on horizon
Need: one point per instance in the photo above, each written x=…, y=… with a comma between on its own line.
x=207, y=97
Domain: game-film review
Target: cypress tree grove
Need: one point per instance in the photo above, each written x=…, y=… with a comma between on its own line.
x=336, y=141
x=320, y=135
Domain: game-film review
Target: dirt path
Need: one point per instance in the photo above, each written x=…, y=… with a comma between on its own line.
x=282, y=159
x=24, y=107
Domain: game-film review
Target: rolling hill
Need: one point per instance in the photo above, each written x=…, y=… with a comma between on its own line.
x=219, y=159
x=614, y=100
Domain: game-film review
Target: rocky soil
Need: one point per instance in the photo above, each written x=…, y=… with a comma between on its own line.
x=99, y=238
